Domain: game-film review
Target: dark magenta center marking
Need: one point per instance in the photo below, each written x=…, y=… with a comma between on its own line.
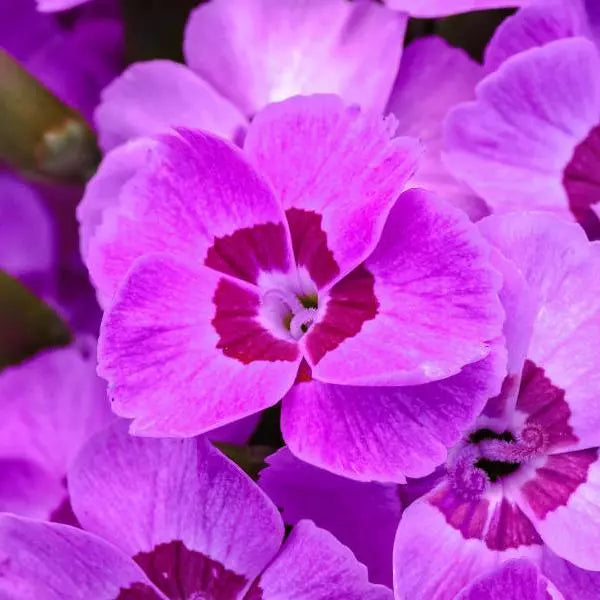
x=241, y=335
x=351, y=303
x=581, y=179
x=181, y=573
x=248, y=251
x=309, y=243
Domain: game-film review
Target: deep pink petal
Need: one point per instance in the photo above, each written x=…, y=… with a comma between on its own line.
x=180, y=508
x=386, y=433
x=47, y=561
x=515, y=579
x=346, y=508
x=391, y=325
x=440, y=8
x=563, y=502
x=155, y=96
x=56, y=5
x=431, y=63
x=335, y=170
x=184, y=351
x=267, y=50
x=197, y=198
x=444, y=544
x=314, y=565
x=574, y=583
x=535, y=25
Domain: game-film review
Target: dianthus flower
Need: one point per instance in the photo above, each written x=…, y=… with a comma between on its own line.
x=531, y=138
x=440, y=8
x=228, y=276
x=172, y=519
x=524, y=482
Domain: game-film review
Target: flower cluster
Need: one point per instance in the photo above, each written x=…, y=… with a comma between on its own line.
x=324, y=322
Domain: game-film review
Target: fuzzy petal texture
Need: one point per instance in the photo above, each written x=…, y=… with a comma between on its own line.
x=441, y=8
x=515, y=579
x=535, y=25
x=195, y=190
x=431, y=63
x=334, y=163
x=155, y=96
x=51, y=405
x=184, y=353
x=412, y=334
x=47, y=561
x=264, y=51
x=561, y=267
x=386, y=433
x=313, y=565
x=145, y=495
x=513, y=143
x=435, y=556
x=346, y=508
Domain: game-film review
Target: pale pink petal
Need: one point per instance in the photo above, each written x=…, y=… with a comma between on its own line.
x=441, y=8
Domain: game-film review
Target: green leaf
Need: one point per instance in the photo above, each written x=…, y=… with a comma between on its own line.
x=41, y=136
x=27, y=325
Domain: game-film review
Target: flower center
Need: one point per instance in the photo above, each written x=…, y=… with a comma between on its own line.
x=290, y=312
x=489, y=456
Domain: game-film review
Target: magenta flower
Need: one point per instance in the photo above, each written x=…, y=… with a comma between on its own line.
x=525, y=480
x=229, y=276
x=58, y=5
x=172, y=519
x=531, y=139
x=51, y=405
x=244, y=54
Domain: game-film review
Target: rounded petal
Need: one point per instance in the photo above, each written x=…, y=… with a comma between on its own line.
x=268, y=50
x=441, y=8
x=335, y=170
x=563, y=502
x=184, y=352
x=387, y=322
x=535, y=25
x=179, y=507
x=313, y=565
x=155, y=96
x=51, y=405
x=386, y=433
x=431, y=63
x=28, y=249
x=47, y=561
x=561, y=267
x=513, y=143
x=346, y=508
x=197, y=198
x=515, y=579
x=574, y=583
x=444, y=544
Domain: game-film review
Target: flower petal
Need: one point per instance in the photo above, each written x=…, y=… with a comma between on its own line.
x=268, y=50
x=513, y=143
x=314, y=565
x=47, y=561
x=197, y=198
x=179, y=508
x=515, y=579
x=443, y=544
x=563, y=502
x=346, y=508
x=391, y=311
x=535, y=25
x=155, y=96
x=574, y=583
x=441, y=8
x=386, y=433
x=184, y=352
x=431, y=63
x=335, y=170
